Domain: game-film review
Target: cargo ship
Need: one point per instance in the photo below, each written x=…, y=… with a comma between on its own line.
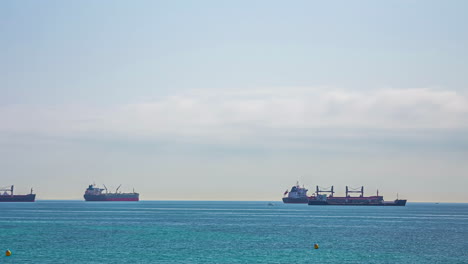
x=95, y=194
x=9, y=196
x=297, y=194
x=320, y=198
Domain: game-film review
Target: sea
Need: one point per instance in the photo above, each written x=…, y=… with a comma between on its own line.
x=231, y=232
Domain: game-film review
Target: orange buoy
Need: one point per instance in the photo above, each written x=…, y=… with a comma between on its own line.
x=8, y=253
x=316, y=246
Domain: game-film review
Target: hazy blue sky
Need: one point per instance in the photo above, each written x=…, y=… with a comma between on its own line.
x=234, y=100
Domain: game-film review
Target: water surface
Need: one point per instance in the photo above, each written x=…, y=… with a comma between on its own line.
x=231, y=232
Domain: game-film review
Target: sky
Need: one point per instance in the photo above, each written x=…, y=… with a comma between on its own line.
x=234, y=100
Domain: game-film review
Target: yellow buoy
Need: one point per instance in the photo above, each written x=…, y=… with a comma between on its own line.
x=316, y=246
x=8, y=253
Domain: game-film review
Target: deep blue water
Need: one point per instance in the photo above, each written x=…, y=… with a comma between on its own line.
x=231, y=232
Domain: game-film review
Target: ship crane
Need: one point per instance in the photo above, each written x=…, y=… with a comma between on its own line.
x=319, y=190
x=355, y=190
x=118, y=188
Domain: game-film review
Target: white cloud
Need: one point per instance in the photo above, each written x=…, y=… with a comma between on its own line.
x=223, y=115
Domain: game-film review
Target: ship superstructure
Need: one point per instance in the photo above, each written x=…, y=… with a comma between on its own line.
x=297, y=194
x=7, y=195
x=96, y=194
x=320, y=197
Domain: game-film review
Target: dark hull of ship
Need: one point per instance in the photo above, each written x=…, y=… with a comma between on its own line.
x=18, y=198
x=124, y=197
x=295, y=200
x=394, y=203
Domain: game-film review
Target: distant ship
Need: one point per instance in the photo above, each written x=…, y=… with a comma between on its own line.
x=321, y=199
x=297, y=194
x=94, y=194
x=8, y=196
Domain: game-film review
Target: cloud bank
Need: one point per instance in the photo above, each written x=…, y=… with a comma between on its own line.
x=233, y=114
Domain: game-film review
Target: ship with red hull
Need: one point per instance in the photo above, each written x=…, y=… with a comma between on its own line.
x=8, y=196
x=95, y=194
x=319, y=198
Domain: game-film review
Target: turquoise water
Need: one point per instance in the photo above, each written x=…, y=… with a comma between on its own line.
x=231, y=232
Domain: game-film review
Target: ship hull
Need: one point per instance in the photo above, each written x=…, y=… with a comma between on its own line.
x=313, y=202
x=112, y=198
x=18, y=198
x=295, y=200
x=394, y=203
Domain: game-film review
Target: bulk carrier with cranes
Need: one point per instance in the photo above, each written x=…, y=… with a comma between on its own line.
x=320, y=198
x=325, y=196
x=96, y=194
